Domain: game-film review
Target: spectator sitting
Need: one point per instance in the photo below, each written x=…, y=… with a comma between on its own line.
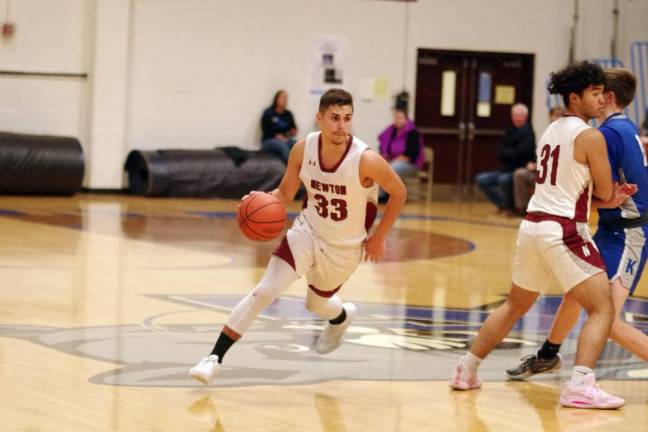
x=401, y=145
x=524, y=178
x=279, y=128
x=514, y=151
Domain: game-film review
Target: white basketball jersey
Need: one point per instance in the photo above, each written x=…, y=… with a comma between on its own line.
x=338, y=207
x=563, y=186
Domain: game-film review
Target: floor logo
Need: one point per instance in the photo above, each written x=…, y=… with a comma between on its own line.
x=386, y=342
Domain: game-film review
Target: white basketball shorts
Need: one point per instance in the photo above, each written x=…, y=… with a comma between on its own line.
x=326, y=266
x=554, y=248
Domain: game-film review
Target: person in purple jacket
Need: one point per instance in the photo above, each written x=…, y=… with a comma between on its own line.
x=401, y=145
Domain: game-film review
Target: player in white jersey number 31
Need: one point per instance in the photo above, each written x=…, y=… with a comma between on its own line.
x=554, y=243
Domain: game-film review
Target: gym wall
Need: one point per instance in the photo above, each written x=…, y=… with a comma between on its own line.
x=197, y=73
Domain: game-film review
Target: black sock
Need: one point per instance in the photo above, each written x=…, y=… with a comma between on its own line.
x=340, y=318
x=223, y=343
x=548, y=350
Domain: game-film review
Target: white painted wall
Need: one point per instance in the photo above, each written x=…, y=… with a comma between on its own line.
x=203, y=71
x=109, y=83
x=48, y=39
x=198, y=73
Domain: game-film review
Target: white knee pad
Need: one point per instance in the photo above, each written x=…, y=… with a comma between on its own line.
x=328, y=308
x=265, y=293
x=278, y=277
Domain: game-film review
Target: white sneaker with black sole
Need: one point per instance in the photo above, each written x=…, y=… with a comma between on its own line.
x=206, y=370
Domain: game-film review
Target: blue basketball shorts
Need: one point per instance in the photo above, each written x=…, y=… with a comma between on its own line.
x=624, y=252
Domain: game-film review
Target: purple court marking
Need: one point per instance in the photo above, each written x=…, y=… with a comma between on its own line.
x=232, y=215
x=5, y=212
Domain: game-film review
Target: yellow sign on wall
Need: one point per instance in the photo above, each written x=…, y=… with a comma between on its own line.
x=504, y=95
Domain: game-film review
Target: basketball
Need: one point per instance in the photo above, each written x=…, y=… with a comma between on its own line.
x=261, y=216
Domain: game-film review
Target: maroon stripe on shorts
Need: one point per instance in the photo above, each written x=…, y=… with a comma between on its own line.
x=582, y=208
x=325, y=294
x=283, y=251
x=585, y=250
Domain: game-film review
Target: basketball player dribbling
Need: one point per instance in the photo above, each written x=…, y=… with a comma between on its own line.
x=554, y=241
x=327, y=240
x=621, y=234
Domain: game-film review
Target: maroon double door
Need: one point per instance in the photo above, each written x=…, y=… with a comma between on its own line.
x=463, y=105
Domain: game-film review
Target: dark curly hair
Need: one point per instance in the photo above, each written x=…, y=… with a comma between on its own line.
x=575, y=78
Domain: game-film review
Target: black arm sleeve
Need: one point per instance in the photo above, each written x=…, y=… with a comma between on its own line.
x=412, y=148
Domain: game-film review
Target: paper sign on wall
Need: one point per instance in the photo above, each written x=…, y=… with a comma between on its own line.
x=381, y=87
x=376, y=88
x=329, y=63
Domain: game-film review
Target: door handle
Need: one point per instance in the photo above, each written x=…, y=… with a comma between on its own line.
x=471, y=131
x=462, y=131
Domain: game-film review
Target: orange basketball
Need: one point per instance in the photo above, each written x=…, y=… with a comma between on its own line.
x=261, y=216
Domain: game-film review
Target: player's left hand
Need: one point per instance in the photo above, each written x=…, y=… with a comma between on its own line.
x=374, y=249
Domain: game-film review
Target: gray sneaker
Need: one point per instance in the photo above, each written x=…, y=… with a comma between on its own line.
x=534, y=365
x=332, y=336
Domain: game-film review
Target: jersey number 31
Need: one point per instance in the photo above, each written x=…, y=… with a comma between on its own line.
x=544, y=166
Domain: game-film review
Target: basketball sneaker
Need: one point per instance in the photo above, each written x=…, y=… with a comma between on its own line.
x=333, y=334
x=534, y=365
x=588, y=395
x=206, y=370
x=464, y=379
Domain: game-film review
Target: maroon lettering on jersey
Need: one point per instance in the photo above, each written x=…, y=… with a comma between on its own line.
x=340, y=190
x=331, y=188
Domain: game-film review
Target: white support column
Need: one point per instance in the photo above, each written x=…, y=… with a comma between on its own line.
x=108, y=87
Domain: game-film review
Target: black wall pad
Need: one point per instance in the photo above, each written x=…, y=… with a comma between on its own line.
x=221, y=172
x=39, y=164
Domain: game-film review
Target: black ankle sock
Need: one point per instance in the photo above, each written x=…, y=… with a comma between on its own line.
x=548, y=350
x=340, y=318
x=223, y=343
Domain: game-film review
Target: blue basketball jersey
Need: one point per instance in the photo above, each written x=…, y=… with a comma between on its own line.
x=625, y=251
x=628, y=161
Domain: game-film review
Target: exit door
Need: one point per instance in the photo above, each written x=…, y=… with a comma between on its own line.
x=463, y=105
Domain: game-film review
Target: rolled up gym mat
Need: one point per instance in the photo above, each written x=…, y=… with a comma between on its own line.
x=147, y=173
x=201, y=173
x=40, y=164
x=260, y=172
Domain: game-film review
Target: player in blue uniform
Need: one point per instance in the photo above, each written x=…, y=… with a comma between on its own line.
x=621, y=236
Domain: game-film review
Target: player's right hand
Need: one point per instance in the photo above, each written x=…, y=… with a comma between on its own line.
x=622, y=192
x=629, y=188
x=246, y=196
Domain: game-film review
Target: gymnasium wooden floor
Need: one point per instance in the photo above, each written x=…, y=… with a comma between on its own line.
x=108, y=300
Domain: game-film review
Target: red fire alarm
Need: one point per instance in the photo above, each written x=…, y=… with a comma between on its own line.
x=8, y=30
